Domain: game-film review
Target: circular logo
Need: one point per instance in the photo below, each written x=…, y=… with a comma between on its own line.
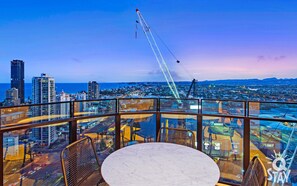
x=279, y=164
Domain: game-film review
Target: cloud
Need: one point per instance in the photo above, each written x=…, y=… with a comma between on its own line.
x=77, y=60
x=261, y=58
x=279, y=58
x=174, y=74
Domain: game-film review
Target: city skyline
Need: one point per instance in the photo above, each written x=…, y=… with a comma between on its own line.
x=80, y=42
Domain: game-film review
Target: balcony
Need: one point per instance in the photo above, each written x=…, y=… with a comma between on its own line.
x=230, y=132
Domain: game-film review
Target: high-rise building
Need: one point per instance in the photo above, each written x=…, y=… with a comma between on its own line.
x=63, y=109
x=93, y=90
x=17, y=78
x=81, y=95
x=81, y=106
x=43, y=91
x=12, y=98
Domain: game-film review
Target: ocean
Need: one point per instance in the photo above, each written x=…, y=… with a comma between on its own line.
x=70, y=88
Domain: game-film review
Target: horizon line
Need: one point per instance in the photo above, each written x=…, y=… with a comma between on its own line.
x=260, y=79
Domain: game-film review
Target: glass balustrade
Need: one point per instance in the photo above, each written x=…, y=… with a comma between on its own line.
x=230, y=132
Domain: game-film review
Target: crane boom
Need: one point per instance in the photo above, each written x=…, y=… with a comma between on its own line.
x=193, y=84
x=158, y=55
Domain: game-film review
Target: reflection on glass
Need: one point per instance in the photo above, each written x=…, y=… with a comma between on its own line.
x=276, y=144
x=174, y=105
x=34, y=113
x=102, y=131
x=223, y=141
x=188, y=122
x=133, y=105
x=138, y=128
x=28, y=160
x=89, y=108
x=273, y=110
x=235, y=108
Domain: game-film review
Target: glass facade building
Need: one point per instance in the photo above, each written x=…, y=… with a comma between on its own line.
x=17, y=78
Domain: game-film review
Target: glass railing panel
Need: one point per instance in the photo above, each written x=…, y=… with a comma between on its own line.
x=102, y=131
x=137, y=105
x=91, y=108
x=183, y=105
x=286, y=111
x=234, y=108
x=32, y=156
x=34, y=113
x=223, y=141
x=181, y=121
x=276, y=145
x=137, y=128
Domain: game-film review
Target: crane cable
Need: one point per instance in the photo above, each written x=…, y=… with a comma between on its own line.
x=190, y=75
x=136, y=29
x=166, y=46
x=172, y=54
x=158, y=55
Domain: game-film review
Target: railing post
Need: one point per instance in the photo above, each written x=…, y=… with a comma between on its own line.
x=246, y=139
x=72, y=125
x=117, y=125
x=158, y=118
x=199, y=126
x=246, y=108
x=1, y=153
x=199, y=132
x=1, y=160
x=117, y=131
x=117, y=105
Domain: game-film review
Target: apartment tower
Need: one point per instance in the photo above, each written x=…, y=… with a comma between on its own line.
x=17, y=78
x=43, y=91
x=93, y=90
x=12, y=98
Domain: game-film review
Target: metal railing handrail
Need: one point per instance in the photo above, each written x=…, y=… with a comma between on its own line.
x=273, y=102
x=153, y=111
x=38, y=104
x=224, y=100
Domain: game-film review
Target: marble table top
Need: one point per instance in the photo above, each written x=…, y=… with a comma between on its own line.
x=159, y=164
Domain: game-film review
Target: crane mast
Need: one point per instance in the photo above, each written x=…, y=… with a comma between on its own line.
x=158, y=55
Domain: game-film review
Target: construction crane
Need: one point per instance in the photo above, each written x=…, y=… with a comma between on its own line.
x=159, y=57
x=193, y=85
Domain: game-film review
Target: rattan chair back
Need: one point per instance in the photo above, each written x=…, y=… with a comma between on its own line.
x=79, y=161
x=177, y=136
x=256, y=174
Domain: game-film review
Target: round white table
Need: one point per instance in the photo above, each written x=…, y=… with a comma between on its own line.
x=159, y=164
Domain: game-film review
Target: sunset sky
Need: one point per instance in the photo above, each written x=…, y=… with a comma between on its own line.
x=79, y=41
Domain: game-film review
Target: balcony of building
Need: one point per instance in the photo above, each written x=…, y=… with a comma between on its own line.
x=230, y=132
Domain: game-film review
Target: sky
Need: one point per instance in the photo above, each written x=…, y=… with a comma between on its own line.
x=94, y=40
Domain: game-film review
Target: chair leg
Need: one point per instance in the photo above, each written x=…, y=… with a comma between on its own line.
x=210, y=143
x=232, y=147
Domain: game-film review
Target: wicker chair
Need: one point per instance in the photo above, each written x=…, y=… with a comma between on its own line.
x=80, y=164
x=256, y=174
x=176, y=135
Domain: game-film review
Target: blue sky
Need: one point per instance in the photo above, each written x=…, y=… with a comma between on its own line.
x=79, y=41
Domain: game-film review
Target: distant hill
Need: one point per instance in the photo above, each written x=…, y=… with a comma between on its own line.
x=267, y=81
